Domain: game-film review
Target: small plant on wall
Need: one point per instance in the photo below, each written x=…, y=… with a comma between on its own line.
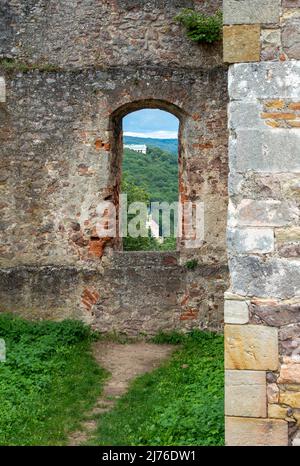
x=200, y=27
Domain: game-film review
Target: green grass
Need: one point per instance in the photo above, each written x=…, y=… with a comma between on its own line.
x=48, y=382
x=181, y=403
x=10, y=64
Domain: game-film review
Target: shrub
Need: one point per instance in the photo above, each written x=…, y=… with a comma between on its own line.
x=200, y=27
x=192, y=264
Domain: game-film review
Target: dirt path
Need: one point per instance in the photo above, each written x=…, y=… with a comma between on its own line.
x=124, y=362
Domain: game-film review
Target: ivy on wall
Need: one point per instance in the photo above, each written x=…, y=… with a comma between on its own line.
x=200, y=27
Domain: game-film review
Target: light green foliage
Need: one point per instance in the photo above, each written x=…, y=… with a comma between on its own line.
x=48, y=381
x=200, y=27
x=181, y=403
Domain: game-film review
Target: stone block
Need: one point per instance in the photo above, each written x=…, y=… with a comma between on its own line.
x=263, y=150
x=251, y=347
x=291, y=4
x=289, y=338
x=283, y=235
x=277, y=412
x=251, y=12
x=245, y=115
x=289, y=372
x=241, y=43
x=273, y=277
x=253, y=240
x=2, y=90
x=263, y=213
x=236, y=312
x=291, y=39
x=265, y=80
x=296, y=442
x=272, y=393
x=241, y=431
x=245, y=393
x=289, y=250
x=275, y=314
x=290, y=398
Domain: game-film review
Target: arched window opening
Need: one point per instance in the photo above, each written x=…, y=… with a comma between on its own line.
x=149, y=180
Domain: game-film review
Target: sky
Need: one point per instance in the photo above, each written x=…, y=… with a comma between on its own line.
x=151, y=123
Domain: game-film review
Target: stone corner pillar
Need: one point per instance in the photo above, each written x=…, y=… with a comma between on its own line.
x=262, y=306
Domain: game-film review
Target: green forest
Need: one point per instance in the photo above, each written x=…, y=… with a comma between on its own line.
x=156, y=172
x=151, y=177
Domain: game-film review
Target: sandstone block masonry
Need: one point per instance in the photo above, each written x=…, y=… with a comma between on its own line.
x=68, y=77
x=262, y=310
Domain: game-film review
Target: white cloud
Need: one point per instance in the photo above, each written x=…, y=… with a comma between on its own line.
x=154, y=134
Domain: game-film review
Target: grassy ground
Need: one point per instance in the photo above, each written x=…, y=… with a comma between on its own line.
x=48, y=382
x=180, y=403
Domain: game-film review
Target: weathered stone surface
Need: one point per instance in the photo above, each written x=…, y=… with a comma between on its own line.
x=291, y=38
x=2, y=89
x=287, y=234
x=291, y=3
x=266, y=80
x=263, y=150
x=253, y=276
x=133, y=293
x=258, y=213
x=275, y=314
x=236, y=312
x=54, y=129
x=256, y=432
x=244, y=115
x=254, y=12
x=97, y=33
x=296, y=442
x=277, y=412
x=245, y=393
x=289, y=250
x=270, y=43
x=272, y=393
x=290, y=398
x=289, y=372
x=252, y=240
x=257, y=185
x=241, y=43
x=289, y=338
x=251, y=347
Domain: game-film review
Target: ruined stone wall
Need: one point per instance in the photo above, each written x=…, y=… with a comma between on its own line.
x=68, y=70
x=262, y=308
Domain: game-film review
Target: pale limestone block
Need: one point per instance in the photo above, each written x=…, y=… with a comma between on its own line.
x=251, y=347
x=236, y=312
x=245, y=393
x=242, y=431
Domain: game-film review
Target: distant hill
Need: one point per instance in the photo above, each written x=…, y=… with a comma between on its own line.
x=169, y=145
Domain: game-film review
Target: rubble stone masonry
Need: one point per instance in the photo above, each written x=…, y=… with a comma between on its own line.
x=69, y=72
